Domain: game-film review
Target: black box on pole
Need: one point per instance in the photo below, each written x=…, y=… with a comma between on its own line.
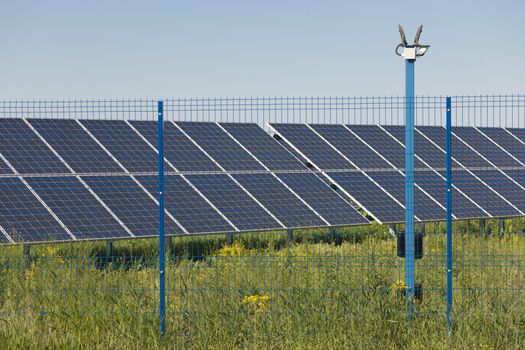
x=418, y=244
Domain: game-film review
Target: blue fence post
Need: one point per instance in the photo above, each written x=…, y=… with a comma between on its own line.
x=162, y=252
x=449, y=212
x=409, y=183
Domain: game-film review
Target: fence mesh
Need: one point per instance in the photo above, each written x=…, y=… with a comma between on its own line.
x=280, y=213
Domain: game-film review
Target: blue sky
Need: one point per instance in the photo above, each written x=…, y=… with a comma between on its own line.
x=145, y=49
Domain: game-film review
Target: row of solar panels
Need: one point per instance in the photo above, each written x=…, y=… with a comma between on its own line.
x=89, y=179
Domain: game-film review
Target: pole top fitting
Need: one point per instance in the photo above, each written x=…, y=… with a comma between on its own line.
x=414, y=51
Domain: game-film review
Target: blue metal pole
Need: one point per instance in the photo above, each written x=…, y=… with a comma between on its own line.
x=449, y=211
x=409, y=183
x=162, y=262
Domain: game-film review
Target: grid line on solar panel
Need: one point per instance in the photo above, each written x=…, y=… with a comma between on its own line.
x=178, y=149
x=264, y=147
x=24, y=217
x=507, y=141
x=234, y=202
x=74, y=145
x=124, y=144
x=323, y=199
x=312, y=147
x=291, y=211
x=25, y=151
x=187, y=205
x=219, y=146
x=77, y=208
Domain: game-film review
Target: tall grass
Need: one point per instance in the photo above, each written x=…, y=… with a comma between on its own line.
x=315, y=289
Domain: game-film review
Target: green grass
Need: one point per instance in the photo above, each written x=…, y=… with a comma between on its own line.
x=317, y=291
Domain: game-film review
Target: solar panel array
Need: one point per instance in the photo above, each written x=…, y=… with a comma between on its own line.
x=73, y=179
x=97, y=179
x=367, y=161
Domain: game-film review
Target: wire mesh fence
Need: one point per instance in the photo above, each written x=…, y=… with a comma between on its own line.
x=278, y=212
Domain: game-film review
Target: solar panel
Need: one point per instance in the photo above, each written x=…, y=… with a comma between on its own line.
x=425, y=209
x=311, y=146
x=25, y=151
x=178, y=149
x=423, y=148
x=519, y=133
x=265, y=148
x=487, y=149
x=274, y=196
x=488, y=200
x=75, y=146
x=220, y=146
x=234, y=202
x=124, y=144
x=77, y=208
x=322, y=198
x=24, y=218
x=131, y=204
x=194, y=213
x=507, y=141
x=370, y=196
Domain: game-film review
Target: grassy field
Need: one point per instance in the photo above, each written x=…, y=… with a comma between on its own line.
x=316, y=291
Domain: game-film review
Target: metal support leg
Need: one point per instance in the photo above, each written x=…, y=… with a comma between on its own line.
x=109, y=251
x=26, y=251
x=229, y=239
x=289, y=237
x=168, y=245
x=501, y=225
x=482, y=226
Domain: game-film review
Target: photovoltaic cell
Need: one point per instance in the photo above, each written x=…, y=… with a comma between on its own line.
x=23, y=217
x=78, y=209
x=131, y=204
x=220, y=146
x=280, y=201
x=124, y=144
x=518, y=132
x=187, y=206
x=312, y=146
x=233, y=202
x=25, y=151
x=264, y=147
x=75, y=146
x=323, y=199
x=178, y=149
